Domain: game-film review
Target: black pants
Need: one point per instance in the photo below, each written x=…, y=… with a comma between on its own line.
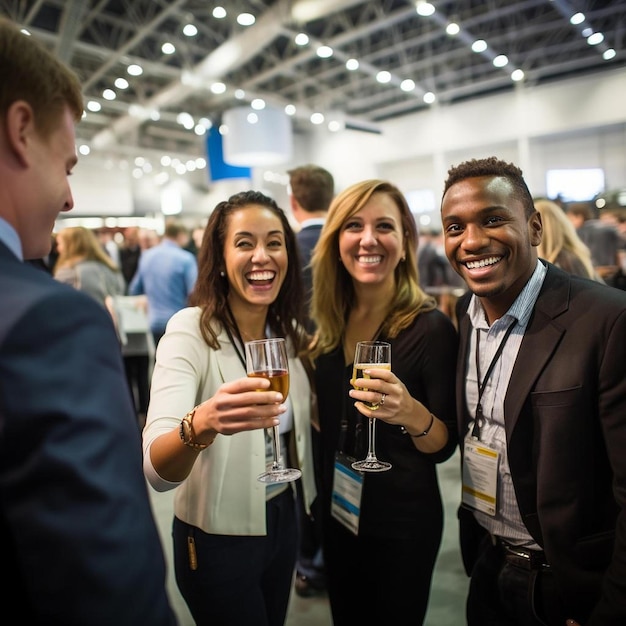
x=239, y=580
x=502, y=594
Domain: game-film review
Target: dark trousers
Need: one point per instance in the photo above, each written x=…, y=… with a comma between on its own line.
x=502, y=594
x=137, y=374
x=239, y=580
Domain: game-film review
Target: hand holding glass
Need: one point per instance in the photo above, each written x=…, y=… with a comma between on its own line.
x=370, y=355
x=267, y=358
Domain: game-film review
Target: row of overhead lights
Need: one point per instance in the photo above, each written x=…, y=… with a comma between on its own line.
x=423, y=8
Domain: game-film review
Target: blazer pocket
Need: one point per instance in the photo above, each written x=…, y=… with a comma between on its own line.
x=562, y=398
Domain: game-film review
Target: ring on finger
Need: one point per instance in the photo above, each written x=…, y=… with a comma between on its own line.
x=382, y=398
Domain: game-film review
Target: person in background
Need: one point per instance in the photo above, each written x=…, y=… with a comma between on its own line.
x=109, y=245
x=560, y=243
x=79, y=544
x=235, y=538
x=166, y=274
x=541, y=400
x=312, y=189
x=84, y=265
x=365, y=287
x=602, y=239
x=130, y=252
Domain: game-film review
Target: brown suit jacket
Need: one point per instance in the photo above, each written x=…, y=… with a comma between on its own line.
x=565, y=416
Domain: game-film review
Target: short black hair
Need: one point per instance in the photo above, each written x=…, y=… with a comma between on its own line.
x=492, y=166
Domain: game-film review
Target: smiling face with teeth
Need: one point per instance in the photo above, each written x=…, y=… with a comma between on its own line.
x=490, y=240
x=371, y=243
x=255, y=257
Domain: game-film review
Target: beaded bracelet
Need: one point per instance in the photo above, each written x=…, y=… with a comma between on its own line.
x=406, y=432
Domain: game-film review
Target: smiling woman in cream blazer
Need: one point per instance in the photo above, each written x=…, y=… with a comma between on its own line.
x=234, y=537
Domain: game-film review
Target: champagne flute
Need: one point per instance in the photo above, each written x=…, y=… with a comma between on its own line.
x=267, y=358
x=370, y=355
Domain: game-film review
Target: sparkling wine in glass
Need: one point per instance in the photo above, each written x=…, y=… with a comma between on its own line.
x=370, y=355
x=267, y=358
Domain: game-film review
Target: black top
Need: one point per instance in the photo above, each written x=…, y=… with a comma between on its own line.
x=423, y=357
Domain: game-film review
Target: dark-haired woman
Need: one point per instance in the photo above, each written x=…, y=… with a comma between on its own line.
x=234, y=537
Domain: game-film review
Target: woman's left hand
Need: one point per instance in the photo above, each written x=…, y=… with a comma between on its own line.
x=386, y=393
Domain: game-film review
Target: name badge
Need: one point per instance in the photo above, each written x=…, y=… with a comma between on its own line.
x=480, y=476
x=347, y=489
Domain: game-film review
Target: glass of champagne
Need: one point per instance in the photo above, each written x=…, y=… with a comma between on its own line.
x=370, y=355
x=267, y=358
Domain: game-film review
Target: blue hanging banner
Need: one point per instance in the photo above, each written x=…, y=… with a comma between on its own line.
x=218, y=168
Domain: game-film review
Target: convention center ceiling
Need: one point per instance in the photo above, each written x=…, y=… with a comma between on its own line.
x=158, y=73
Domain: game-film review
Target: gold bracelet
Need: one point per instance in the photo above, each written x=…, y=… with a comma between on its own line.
x=406, y=432
x=186, y=432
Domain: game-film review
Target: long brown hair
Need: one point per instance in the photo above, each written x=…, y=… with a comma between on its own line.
x=285, y=315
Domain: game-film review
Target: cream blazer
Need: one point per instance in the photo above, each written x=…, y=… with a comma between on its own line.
x=221, y=495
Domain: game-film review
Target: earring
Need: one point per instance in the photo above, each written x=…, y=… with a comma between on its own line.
x=222, y=273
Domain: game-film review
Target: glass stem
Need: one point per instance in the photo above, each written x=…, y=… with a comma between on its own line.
x=371, y=435
x=276, y=465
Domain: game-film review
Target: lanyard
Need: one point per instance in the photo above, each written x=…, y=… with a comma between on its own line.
x=483, y=384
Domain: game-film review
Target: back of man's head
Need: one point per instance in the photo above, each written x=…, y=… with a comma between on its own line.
x=312, y=186
x=177, y=231
x=29, y=72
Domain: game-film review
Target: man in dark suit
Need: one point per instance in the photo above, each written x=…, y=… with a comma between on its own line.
x=541, y=383
x=78, y=541
x=311, y=191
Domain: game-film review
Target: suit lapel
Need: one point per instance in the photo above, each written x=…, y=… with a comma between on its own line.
x=540, y=340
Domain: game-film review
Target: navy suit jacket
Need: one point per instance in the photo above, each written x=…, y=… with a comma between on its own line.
x=78, y=543
x=565, y=420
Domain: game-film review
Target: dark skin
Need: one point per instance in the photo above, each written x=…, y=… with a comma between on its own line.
x=491, y=243
x=489, y=240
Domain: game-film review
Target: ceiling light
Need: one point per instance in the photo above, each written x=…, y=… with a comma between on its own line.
x=108, y=94
x=352, y=64
x=324, y=52
x=480, y=45
x=335, y=126
x=200, y=163
x=168, y=48
x=218, y=88
x=577, y=18
x=424, y=8
x=252, y=118
x=166, y=160
x=501, y=60
x=155, y=116
x=190, y=30
x=407, y=85
x=245, y=19
x=383, y=76
x=302, y=39
x=608, y=54
x=240, y=94
x=134, y=69
x=595, y=39
x=121, y=83
x=206, y=122
x=290, y=109
x=199, y=130
x=517, y=75
x=258, y=104
x=84, y=149
x=219, y=12
x=453, y=29
x=429, y=97
x=94, y=106
x=587, y=32
x=317, y=118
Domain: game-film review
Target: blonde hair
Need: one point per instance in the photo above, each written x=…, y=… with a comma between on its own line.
x=559, y=235
x=81, y=244
x=333, y=291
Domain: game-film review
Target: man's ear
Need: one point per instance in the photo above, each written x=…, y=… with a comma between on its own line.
x=20, y=129
x=535, y=228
